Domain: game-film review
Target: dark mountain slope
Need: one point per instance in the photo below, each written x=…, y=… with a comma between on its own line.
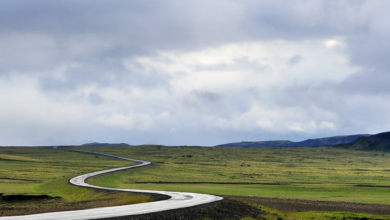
x=329, y=141
x=257, y=144
x=378, y=142
x=95, y=144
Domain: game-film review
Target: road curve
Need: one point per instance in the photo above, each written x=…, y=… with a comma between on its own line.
x=178, y=199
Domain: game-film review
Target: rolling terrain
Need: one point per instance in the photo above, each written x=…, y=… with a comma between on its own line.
x=328, y=141
x=175, y=200
x=378, y=142
x=262, y=177
x=95, y=144
x=35, y=180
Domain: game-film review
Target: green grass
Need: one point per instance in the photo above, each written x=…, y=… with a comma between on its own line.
x=259, y=165
x=26, y=170
x=322, y=173
x=42, y=170
x=322, y=193
x=326, y=174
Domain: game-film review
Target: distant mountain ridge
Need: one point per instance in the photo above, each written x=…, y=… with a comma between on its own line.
x=96, y=144
x=327, y=141
x=377, y=142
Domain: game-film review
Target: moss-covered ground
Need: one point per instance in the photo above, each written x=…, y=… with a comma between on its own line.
x=321, y=173
x=44, y=171
x=309, y=173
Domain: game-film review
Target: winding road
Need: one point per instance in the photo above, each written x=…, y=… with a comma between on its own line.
x=178, y=199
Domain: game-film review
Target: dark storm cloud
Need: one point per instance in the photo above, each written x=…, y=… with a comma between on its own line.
x=300, y=19
x=58, y=32
x=175, y=24
x=69, y=17
x=157, y=25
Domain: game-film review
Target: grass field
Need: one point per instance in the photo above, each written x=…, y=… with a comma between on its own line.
x=322, y=173
x=327, y=174
x=44, y=171
x=260, y=165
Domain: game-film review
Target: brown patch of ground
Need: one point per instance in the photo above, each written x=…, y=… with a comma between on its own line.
x=232, y=208
x=13, y=180
x=21, y=197
x=25, y=205
x=221, y=210
x=295, y=205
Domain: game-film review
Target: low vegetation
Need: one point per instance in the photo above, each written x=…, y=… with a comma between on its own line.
x=379, y=142
x=316, y=173
x=321, y=173
x=35, y=180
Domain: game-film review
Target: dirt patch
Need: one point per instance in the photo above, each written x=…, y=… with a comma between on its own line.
x=295, y=205
x=221, y=210
x=23, y=205
x=20, y=197
x=13, y=180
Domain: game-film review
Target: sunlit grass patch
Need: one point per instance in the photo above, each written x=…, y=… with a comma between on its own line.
x=18, y=158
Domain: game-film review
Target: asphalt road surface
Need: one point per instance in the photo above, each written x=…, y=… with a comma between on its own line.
x=178, y=199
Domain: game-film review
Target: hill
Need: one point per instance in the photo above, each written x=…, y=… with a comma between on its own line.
x=257, y=144
x=328, y=141
x=378, y=142
x=96, y=144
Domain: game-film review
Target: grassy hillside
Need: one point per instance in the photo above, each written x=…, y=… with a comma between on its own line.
x=316, y=142
x=378, y=142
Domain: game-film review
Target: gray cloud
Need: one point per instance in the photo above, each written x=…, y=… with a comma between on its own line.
x=240, y=63
x=207, y=96
x=295, y=59
x=86, y=60
x=366, y=83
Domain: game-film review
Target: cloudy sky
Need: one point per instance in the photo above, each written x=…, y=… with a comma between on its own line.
x=192, y=72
